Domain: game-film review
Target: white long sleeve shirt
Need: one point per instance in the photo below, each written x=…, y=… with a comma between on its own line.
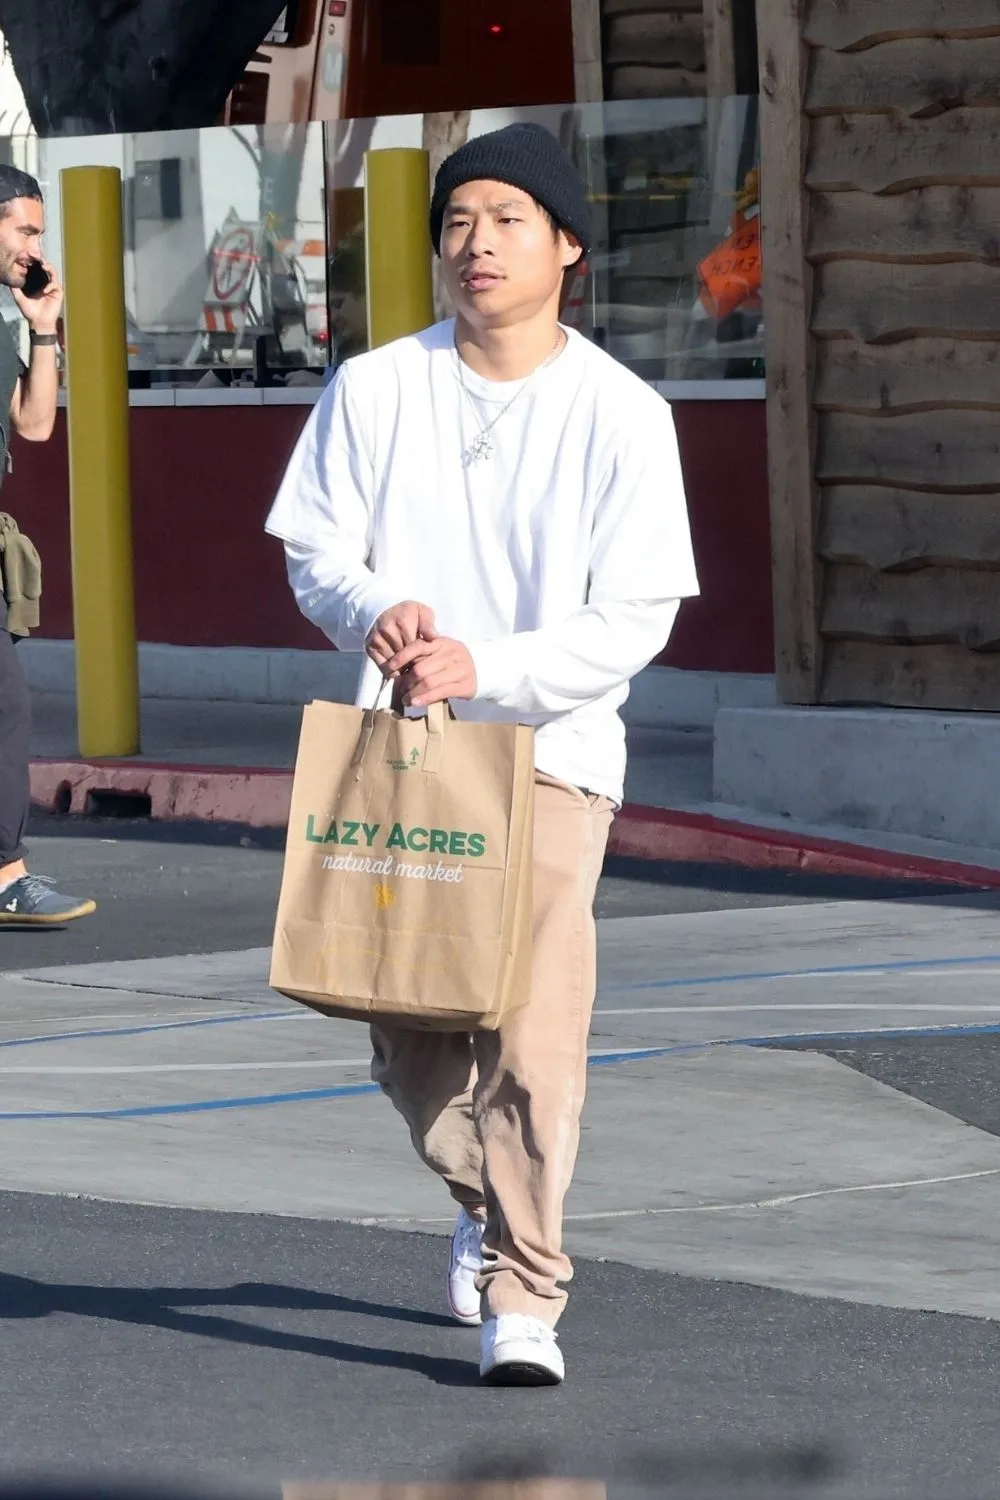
x=560, y=560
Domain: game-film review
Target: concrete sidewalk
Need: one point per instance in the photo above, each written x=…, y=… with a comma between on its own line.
x=187, y=1081
x=231, y=762
x=667, y=767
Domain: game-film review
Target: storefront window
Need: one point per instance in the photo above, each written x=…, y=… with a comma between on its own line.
x=245, y=255
x=225, y=237
x=673, y=285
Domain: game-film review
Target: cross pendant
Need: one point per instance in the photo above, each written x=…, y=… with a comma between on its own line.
x=481, y=447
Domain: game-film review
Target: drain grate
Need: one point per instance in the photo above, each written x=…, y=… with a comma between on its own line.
x=111, y=804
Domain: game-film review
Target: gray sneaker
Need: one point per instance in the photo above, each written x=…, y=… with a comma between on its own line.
x=33, y=901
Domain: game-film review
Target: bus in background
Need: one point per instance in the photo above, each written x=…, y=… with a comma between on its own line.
x=357, y=59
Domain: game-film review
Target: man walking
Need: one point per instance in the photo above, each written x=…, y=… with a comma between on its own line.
x=494, y=511
x=29, y=396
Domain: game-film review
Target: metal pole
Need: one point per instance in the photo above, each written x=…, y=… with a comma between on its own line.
x=107, y=675
x=397, y=243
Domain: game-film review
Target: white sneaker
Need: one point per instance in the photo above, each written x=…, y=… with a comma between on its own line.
x=518, y=1350
x=465, y=1265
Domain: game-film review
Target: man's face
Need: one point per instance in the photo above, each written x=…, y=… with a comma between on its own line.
x=22, y=224
x=503, y=261
x=349, y=313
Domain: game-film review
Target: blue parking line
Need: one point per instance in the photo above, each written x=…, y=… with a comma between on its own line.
x=257, y=1101
x=195, y=1107
x=642, y=1054
x=707, y=981
x=828, y=1038
x=607, y=1059
x=894, y=966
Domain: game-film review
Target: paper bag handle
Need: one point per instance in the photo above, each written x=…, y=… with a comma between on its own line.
x=368, y=724
x=433, y=749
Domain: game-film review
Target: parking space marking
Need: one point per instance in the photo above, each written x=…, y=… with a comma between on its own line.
x=594, y=1060
x=783, y=1200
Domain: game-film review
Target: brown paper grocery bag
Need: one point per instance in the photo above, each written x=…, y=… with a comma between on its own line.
x=406, y=893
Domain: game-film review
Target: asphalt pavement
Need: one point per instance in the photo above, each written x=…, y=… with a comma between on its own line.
x=957, y=1074
x=165, y=888
x=228, y=1349
x=246, y=1349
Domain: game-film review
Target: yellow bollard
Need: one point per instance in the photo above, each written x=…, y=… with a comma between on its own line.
x=107, y=674
x=397, y=243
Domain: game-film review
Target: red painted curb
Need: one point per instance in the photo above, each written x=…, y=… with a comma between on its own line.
x=259, y=798
x=668, y=834
x=216, y=794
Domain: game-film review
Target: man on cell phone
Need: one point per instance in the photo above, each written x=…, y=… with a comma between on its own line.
x=28, y=394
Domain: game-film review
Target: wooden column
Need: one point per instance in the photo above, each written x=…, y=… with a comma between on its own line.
x=720, y=48
x=904, y=114
x=789, y=350
x=653, y=49
x=443, y=133
x=587, y=51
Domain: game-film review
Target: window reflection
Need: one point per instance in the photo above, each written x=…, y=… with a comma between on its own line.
x=225, y=266
x=673, y=284
x=245, y=257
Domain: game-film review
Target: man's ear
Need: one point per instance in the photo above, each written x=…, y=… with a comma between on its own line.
x=572, y=250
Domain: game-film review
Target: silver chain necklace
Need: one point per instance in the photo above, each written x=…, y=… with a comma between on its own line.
x=482, y=446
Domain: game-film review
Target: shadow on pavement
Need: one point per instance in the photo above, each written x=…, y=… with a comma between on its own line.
x=162, y=1307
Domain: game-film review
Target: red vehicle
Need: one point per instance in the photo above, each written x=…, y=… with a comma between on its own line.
x=356, y=59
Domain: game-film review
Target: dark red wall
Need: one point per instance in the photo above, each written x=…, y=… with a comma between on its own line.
x=730, y=627
x=206, y=575
x=202, y=481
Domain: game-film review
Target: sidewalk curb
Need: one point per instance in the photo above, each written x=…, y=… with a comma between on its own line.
x=259, y=798
x=214, y=794
x=670, y=834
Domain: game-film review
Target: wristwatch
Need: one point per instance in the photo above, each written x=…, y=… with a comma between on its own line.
x=43, y=338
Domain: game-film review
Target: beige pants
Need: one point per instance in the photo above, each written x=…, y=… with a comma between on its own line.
x=497, y=1114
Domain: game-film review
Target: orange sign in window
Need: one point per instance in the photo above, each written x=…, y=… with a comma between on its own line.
x=730, y=275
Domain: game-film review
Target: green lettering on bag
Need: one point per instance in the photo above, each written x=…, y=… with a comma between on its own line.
x=418, y=840
x=347, y=833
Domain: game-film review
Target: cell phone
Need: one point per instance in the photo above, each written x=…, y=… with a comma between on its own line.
x=36, y=280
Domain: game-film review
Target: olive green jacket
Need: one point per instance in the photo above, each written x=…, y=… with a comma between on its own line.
x=20, y=577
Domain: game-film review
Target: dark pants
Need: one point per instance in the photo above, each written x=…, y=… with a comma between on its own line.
x=15, y=731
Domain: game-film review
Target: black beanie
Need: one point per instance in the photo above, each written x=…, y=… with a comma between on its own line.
x=528, y=157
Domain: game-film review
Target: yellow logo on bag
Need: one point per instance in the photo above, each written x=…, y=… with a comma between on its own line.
x=385, y=896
